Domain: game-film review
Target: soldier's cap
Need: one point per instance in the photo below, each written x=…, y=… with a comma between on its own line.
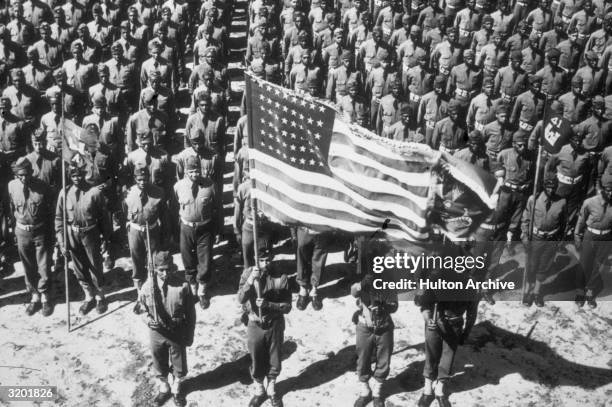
x=382, y=54
x=591, y=55
x=44, y=26
x=264, y=253
x=23, y=166
x=39, y=134
x=420, y=54
x=453, y=106
x=162, y=260
x=450, y=29
x=378, y=30
x=83, y=26
x=89, y=135
x=498, y=32
x=406, y=19
x=487, y=82
x=556, y=107
x=534, y=36
x=415, y=29
x=125, y=25
x=578, y=135
x=439, y=81
x=162, y=26
x=352, y=84
x=166, y=10
x=76, y=168
x=475, y=136
x=550, y=179
x=487, y=19
x=141, y=171
x=577, y=81
x=16, y=72
x=347, y=55
x=210, y=51
x=535, y=79
x=558, y=21
x=501, y=108
x=75, y=44
x=54, y=98
x=397, y=83
x=103, y=68
x=58, y=10
x=116, y=47
x=145, y=137
x=337, y=30
x=554, y=53
x=192, y=162
x=468, y=53
x=99, y=100
x=599, y=102
x=155, y=44
x=405, y=109
x=516, y=56
x=303, y=35
x=375, y=62
x=148, y=96
x=154, y=74
x=606, y=180
x=204, y=96
x=520, y=136
x=96, y=8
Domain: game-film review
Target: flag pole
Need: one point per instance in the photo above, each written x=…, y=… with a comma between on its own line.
x=249, y=107
x=64, y=214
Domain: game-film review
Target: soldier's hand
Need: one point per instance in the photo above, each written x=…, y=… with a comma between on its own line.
x=255, y=273
x=153, y=324
x=431, y=324
x=577, y=242
x=239, y=239
x=261, y=303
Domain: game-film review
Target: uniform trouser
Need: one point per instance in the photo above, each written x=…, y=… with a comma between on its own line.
x=84, y=250
x=510, y=206
x=265, y=348
x=196, y=251
x=440, y=348
x=574, y=195
x=490, y=245
x=540, y=255
x=374, y=104
x=368, y=344
x=163, y=350
x=248, y=243
x=311, y=257
x=138, y=250
x=593, y=255
x=34, y=250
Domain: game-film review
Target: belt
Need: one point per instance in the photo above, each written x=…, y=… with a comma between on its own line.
x=430, y=124
x=444, y=70
x=28, y=228
x=143, y=228
x=448, y=150
x=516, y=187
x=81, y=229
x=415, y=98
x=521, y=3
x=494, y=228
x=194, y=224
x=568, y=180
x=462, y=92
x=525, y=126
x=478, y=126
x=598, y=231
x=542, y=233
x=566, y=19
x=464, y=33
x=451, y=6
x=582, y=36
x=492, y=154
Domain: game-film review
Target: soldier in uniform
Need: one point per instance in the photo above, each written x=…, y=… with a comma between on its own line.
x=449, y=133
x=49, y=51
x=87, y=222
x=31, y=204
x=465, y=80
x=403, y=129
x=145, y=204
x=549, y=214
x=24, y=99
x=419, y=81
x=155, y=159
x=374, y=338
x=511, y=77
x=353, y=105
x=482, y=109
x=515, y=174
x=171, y=317
x=339, y=77
x=46, y=165
x=195, y=200
x=311, y=257
x=389, y=107
x=497, y=134
x=145, y=120
x=264, y=292
x=591, y=236
x=553, y=77
x=592, y=75
x=529, y=106
x=12, y=139
x=432, y=108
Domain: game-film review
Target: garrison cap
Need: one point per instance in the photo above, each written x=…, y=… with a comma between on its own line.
x=520, y=136
x=577, y=81
x=475, y=136
x=453, y=106
x=90, y=135
x=501, y=108
x=22, y=166
x=141, y=171
x=347, y=54
x=468, y=53
x=516, y=56
x=103, y=68
x=554, y=53
x=534, y=79
x=145, y=137
x=39, y=135
x=487, y=19
x=192, y=162
x=162, y=260
x=440, y=81
x=599, y=102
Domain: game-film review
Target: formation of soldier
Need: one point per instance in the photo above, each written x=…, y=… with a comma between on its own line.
x=474, y=78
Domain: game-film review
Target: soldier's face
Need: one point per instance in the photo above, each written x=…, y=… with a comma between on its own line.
x=18, y=81
x=577, y=89
x=593, y=62
x=515, y=63
x=453, y=115
x=474, y=147
x=576, y=143
x=299, y=22
x=549, y=190
x=469, y=59
x=45, y=33
x=313, y=90
x=305, y=58
x=146, y=145
x=141, y=180
x=204, y=105
x=376, y=36
x=56, y=107
x=77, y=52
x=554, y=62
x=405, y=118
x=488, y=26
x=606, y=192
x=132, y=17
x=497, y=40
x=23, y=177
x=162, y=35
x=396, y=90
x=154, y=53
x=520, y=147
x=536, y=87
x=193, y=175
x=77, y=178
x=18, y=11
x=264, y=263
x=352, y=91
x=162, y=273
x=501, y=117
x=38, y=145
x=487, y=90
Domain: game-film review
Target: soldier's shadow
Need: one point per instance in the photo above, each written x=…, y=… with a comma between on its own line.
x=230, y=372
x=321, y=372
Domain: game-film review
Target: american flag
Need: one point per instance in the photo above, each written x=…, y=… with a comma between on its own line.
x=310, y=168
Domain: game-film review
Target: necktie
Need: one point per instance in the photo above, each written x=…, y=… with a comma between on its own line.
x=548, y=204
x=26, y=192
x=46, y=48
x=519, y=162
x=76, y=66
x=39, y=162
x=56, y=119
x=143, y=198
x=194, y=190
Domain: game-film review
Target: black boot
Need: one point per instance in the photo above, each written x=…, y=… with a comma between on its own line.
x=579, y=300
x=539, y=300
x=425, y=400
x=302, y=302
x=527, y=300
x=443, y=401
x=47, y=308
x=257, y=400
x=33, y=308
x=161, y=398
x=362, y=401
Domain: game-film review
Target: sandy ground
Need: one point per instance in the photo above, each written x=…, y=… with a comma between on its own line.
x=555, y=356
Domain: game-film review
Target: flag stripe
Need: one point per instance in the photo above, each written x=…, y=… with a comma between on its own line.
x=328, y=185
x=321, y=203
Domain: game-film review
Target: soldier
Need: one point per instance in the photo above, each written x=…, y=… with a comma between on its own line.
x=602, y=38
x=133, y=48
x=31, y=204
x=101, y=31
x=163, y=94
x=575, y=106
x=137, y=29
x=22, y=31
x=111, y=132
x=79, y=73
x=407, y=51
x=264, y=293
x=170, y=316
x=374, y=89
x=467, y=22
x=432, y=108
x=540, y=18
x=12, y=139
x=332, y=55
x=145, y=120
x=571, y=51
x=92, y=49
x=449, y=134
x=483, y=36
x=515, y=172
x=339, y=77
x=374, y=47
x=389, y=108
x=311, y=257
x=110, y=92
x=304, y=71
x=497, y=135
x=481, y=110
x=550, y=39
x=492, y=55
x=403, y=130
x=518, y=41
x=445, y=330
x=167, y=70
x=49, y=51
x=549, y=215
x=36, y=75
x=374, y=337
x=592, y=76
x=155, y=159
x=123, y=75
x=24, y=99
x=419, y=81
x=145, y=204
x=87, y=219
x=591, y=236
x=553, y=77
x=12, y=52
x=195, y=200
x=511, y=77
x=353, y=106
x=447, y=53
x=529, y=105
x=464, y=80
